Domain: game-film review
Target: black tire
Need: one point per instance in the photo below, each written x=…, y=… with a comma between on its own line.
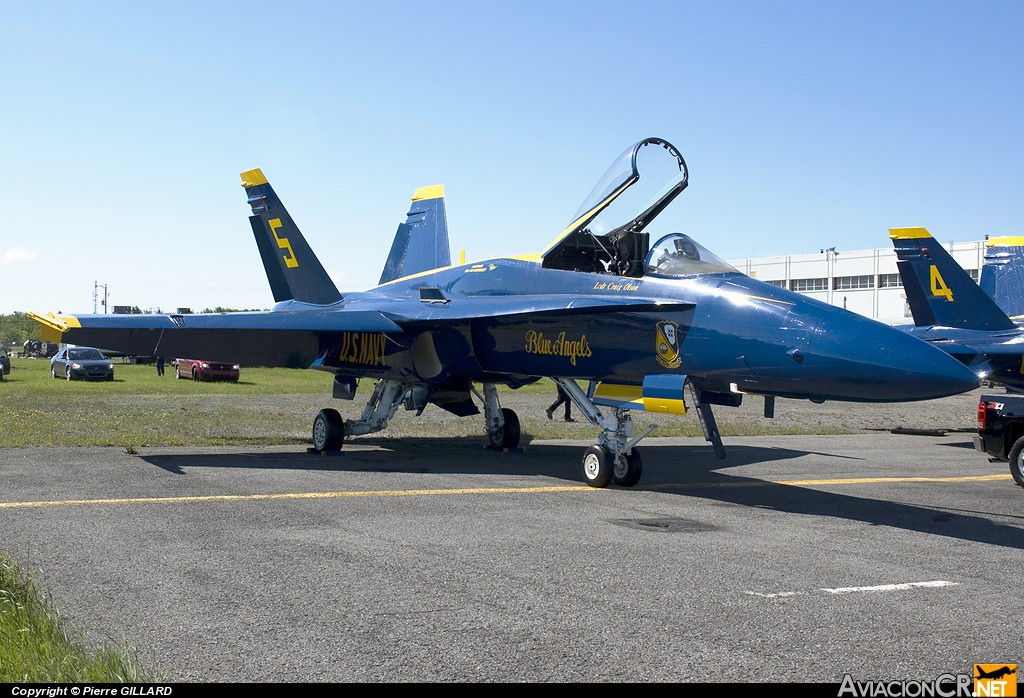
x=628, y=470
x=597, y=468
x=328, y=430
x=177, y=373
x=1017, y=461
x=195, y=375
x=53, y=372
x=510, y=431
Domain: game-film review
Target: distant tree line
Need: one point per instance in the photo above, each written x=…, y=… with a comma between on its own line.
x=17, y=328
x=219, y=309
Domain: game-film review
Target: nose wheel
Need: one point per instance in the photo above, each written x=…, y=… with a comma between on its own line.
x=628, y=469
x=601, y=467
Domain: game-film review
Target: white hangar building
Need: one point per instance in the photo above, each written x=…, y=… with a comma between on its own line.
x=866, y=282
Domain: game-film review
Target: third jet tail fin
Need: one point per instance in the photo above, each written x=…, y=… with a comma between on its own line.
x=293, y=270
x=938, y=289
x=1002, y=277
x=421, y=243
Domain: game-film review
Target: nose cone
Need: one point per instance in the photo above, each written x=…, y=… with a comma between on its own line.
x=876, y=363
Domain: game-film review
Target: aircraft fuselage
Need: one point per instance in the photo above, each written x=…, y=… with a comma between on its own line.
x=728, y=332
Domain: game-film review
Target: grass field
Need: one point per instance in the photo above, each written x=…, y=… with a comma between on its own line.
x=276, y=406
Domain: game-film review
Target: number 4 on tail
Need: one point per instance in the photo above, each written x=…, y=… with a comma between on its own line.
x=939, y=287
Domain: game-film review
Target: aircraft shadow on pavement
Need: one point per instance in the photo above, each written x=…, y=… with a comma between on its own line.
x=689, y=470
x=797, y=499
x=467, y=454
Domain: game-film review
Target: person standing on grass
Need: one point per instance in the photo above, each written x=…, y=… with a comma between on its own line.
x=563, y=399
x=159, y=365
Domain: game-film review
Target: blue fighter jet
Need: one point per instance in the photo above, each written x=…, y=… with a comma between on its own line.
x=621, y=312
x=957, y=315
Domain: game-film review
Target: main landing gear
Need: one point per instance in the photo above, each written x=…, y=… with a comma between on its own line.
x=502, y=423
x=614, y=458
x=330, y=430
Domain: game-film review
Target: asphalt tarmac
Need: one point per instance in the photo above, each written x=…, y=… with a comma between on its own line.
x=797, y=558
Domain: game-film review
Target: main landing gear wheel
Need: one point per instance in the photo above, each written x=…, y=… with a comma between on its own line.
x=1017, y=461
x=328, y=430
x=628, y=469
x=597, y=467
x=508, y=437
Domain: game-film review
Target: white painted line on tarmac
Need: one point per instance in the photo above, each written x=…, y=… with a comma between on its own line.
x=890, y=587
x=855, y=590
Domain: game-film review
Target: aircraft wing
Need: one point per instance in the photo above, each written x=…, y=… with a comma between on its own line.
x=294, y=338
x=290, y=339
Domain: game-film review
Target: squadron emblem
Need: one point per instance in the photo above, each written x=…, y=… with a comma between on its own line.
x=668, y=344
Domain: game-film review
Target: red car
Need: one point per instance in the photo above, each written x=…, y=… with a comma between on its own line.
x=199, y=370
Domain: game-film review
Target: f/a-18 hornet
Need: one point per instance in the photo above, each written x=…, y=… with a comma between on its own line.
x=623, y=314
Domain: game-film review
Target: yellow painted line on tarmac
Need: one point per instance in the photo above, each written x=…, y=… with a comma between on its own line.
x=830, y=481
x=293, y=495
x=485, y=490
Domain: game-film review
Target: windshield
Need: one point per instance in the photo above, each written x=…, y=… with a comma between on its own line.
x=85, y=355
x=678, y=255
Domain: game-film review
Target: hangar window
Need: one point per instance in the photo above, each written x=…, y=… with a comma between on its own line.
x=890, y=281
x=848, y=283
x=804, y=285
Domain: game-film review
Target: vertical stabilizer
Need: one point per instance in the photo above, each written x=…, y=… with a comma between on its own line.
x=421, y=243
x=938, y=289
x=1002, y=277
x=293, y=270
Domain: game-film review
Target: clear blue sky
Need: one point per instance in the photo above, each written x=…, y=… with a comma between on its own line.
x=805, y=124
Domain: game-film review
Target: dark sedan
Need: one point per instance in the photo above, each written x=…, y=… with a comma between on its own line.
x=81, y=363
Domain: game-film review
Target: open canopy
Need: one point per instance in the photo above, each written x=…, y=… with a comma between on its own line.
x=607, y=235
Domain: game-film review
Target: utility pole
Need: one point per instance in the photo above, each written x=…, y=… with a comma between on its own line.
x=830, y=256
x=96, y=286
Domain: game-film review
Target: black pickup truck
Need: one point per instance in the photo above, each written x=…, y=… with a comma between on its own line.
x=1001, y=430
